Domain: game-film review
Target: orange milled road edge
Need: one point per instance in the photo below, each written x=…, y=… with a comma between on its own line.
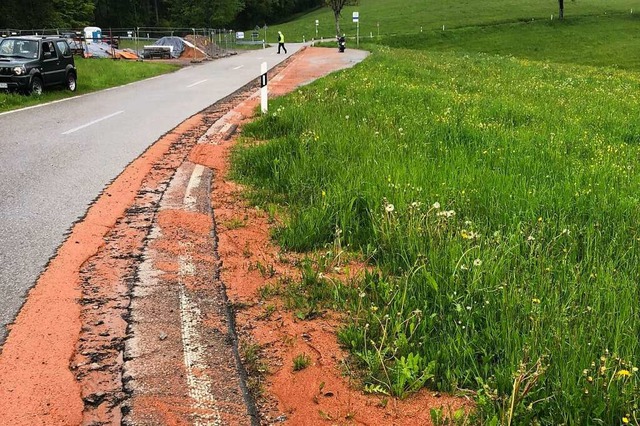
x=36, y=384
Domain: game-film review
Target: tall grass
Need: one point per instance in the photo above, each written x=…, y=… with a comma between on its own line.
x=498, y=198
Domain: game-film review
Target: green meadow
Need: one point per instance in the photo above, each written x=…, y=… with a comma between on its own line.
x=404, y=17
x=606, y=41
x=492, y=185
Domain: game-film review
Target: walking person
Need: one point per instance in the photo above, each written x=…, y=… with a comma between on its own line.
x=281, y=43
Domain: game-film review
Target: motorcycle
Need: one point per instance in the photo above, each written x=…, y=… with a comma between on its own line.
x=342, y=43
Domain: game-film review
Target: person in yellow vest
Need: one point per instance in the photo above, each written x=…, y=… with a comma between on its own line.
x=281, y=43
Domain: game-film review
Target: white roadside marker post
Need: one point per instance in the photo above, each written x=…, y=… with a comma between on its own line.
x=263, y=88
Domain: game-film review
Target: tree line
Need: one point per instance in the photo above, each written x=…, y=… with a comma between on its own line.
x=236, y=14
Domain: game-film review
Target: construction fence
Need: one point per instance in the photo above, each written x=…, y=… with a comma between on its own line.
x=143, y=42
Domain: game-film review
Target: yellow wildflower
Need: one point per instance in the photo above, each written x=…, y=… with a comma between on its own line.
x=623, y=373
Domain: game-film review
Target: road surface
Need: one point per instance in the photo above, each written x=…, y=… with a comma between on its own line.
x=58, y=157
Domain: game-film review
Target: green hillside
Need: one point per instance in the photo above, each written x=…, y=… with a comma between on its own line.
x=409, y=17
x=606, y=41
x=489, y=174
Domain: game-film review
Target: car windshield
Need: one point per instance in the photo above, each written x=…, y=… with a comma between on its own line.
x=19, y=48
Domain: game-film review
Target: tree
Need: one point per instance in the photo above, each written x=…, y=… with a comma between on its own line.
x=73, y=13
x=336, y=6
x=560, y=9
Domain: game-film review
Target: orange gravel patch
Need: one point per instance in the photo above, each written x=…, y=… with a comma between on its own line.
x=36, y=384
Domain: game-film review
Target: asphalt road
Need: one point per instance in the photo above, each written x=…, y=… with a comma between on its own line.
x=58, y=157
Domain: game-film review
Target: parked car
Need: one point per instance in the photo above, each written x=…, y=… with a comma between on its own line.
x=30, y=63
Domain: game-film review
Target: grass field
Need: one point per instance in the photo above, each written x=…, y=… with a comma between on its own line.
x=493, y=184
x=395, y=17
x=606, y=41
x=93, y=75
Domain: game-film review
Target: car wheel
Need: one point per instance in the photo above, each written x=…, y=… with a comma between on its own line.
x=36, y=86
x=71, y=82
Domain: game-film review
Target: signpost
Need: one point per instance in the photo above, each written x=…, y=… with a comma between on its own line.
x=317, y=22
x=264, y=42
x=356, y=19
x=263, y=88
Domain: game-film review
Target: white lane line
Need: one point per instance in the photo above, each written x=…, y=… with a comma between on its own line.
x=190, y=198
x=196, y=83
x=199, y=382
x=91, y=123
x=13, y=111
x=237, y=68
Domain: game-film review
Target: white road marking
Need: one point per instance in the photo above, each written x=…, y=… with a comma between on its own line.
x=79, y=96
x=190, y=199
x=196, y=83
x=237, y=68
x=199, y=382
x=91, y=123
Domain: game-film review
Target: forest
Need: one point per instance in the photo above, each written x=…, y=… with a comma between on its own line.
x=73, y=14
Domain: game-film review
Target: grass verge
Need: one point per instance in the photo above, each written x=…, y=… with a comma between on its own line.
x=498, y=199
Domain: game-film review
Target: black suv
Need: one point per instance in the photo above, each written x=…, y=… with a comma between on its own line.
x=31, y=63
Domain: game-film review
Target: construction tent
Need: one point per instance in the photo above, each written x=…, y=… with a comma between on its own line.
x=181, y=48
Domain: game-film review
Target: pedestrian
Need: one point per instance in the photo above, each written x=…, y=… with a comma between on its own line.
x=281, y=43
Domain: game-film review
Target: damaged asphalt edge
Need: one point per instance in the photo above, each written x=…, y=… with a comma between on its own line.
x=254, y=84
x=250, y=402
x=244, y=92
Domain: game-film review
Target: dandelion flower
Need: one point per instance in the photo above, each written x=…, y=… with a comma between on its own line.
x=625, y=420
x=389, y=208
x=623, y=373
x=436, y=205
x=477, y=262
x=536, y=300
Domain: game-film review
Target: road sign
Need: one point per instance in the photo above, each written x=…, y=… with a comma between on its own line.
x=356, y=16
